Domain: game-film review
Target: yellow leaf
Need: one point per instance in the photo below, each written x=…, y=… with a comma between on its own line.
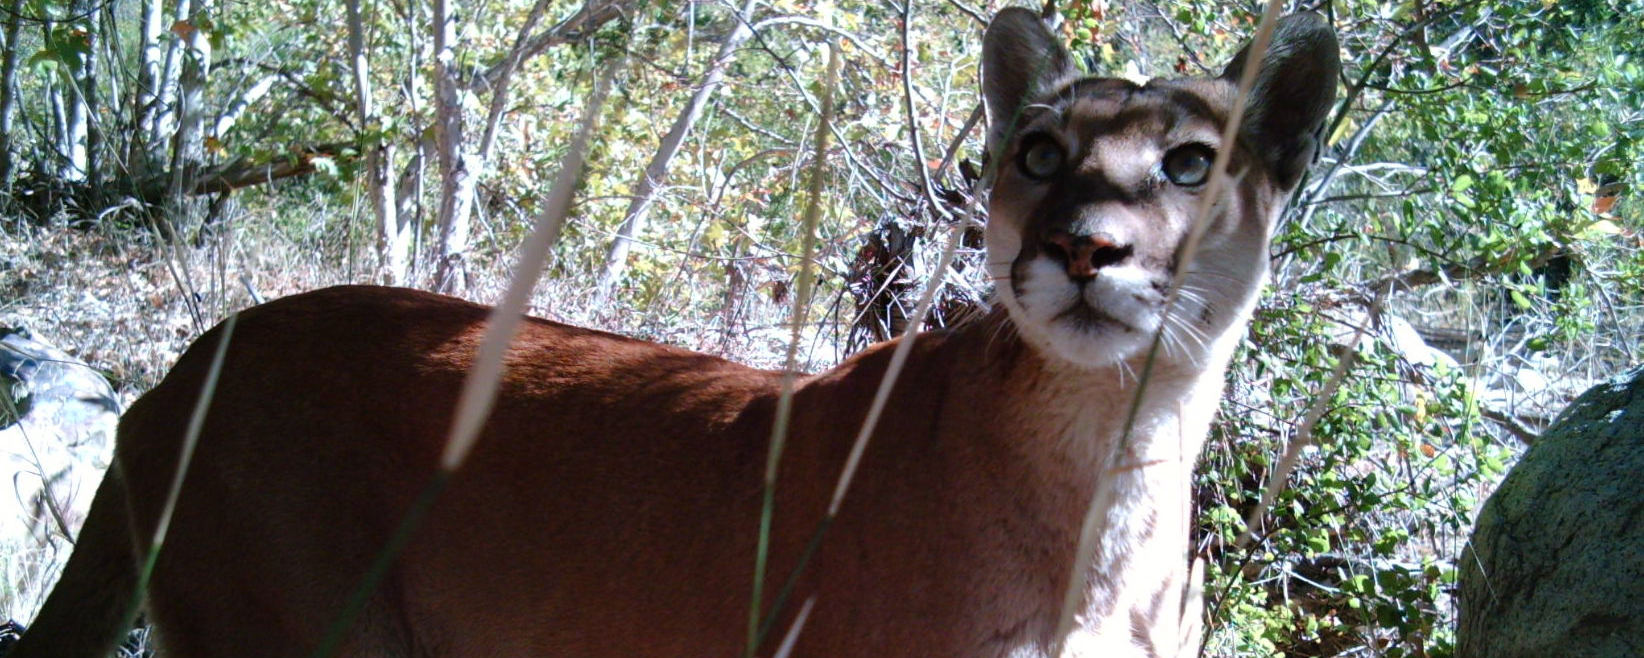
x=1346, y=128
x=1586, y=186
x=1604, y=226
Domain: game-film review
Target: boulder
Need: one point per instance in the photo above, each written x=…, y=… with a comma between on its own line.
x=1556, y=562
x=57, y=420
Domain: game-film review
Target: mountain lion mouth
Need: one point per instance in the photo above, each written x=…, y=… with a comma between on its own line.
x=1084, y=317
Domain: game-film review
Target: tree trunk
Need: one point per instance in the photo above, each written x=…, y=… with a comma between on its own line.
x=164, y=122
x=8, y=91
x=393, y=240
x=187, y=144
x=146, y=148
x=87, y=87
x=411, y=190
x=68, y=107
x=645, y=189
x=459, y=170
x=499, y=92
x=243, y=100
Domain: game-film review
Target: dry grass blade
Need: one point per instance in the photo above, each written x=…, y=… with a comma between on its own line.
x=801, y=306
x=898, y=359
x=792, y=637
x=881, y=396
x=551, y=221
x=191, y=440
x=1104, y=496
x=479, y=390
x=893, y=370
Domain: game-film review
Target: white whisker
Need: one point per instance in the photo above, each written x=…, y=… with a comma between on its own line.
x=1187, y=329
x=1219, y=275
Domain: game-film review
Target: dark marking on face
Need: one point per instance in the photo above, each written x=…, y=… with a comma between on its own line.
x=1162, y=264
x=1119, y=88
x=1188, y=104
x=1207, y=313
x=1087, y=187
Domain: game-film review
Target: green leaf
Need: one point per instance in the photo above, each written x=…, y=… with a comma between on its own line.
x=43, y=62
x=1319, y=542
x=325, y=166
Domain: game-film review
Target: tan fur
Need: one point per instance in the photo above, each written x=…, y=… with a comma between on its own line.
x=611, y=507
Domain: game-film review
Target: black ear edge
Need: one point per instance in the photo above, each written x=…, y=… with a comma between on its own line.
x=1015, y=14
x=1021, y=59
x=1294, y=92
x=1305, y=32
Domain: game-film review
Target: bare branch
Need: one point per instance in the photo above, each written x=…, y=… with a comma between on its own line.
x=578, y=26
x=239, y=173
x=645, y=189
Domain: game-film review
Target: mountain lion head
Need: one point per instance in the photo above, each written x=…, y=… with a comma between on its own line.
x=1098, y=182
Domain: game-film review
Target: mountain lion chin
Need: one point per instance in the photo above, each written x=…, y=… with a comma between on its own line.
x=1089, y=337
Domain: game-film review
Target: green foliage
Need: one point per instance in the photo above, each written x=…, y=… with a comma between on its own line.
x=1355, y=551
x=1482, y=160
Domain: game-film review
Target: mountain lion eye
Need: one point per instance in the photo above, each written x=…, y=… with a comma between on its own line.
x=1041, y=158
x=1188, y=165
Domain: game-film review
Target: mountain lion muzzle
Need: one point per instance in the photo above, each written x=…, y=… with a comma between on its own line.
x=612, y=504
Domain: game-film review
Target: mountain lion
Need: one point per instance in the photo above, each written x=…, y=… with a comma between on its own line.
x=612, y=505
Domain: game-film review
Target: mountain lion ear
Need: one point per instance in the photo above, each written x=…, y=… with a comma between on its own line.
x=1021, y=61
x=1294, y=91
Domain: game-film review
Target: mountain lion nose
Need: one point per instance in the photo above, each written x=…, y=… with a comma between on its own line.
x=1083, y=255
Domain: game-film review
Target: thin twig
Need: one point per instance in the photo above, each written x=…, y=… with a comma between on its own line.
x=969, y=12
x=959, y=140
x=907, y=109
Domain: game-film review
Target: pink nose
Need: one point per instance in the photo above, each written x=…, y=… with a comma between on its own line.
x=1083, y=255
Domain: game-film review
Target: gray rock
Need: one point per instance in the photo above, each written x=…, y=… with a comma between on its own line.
x=57, y=421
x=1556, y=563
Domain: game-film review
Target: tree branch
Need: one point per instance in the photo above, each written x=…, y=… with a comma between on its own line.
x=239, y=173
x=578, y=26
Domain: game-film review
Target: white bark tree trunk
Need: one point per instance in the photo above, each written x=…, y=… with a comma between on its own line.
x=163, y=124
x=68, y=113
x=145, y=149
x=194, y=67
x=499, y=94
x=459, y=168
x=393, y=238
x=8, y=88
x=234, y=109
x=412, y=186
